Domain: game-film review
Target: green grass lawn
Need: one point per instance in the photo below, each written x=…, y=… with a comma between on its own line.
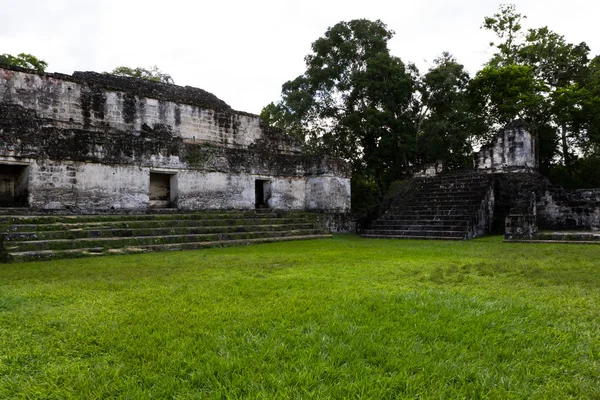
x=341, y=318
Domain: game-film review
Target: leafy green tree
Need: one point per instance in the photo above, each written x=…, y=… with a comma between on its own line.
x=562, y=68
x=503, y=94
x=354, y=101
x=152, y=74
x=279, y=116
x=507, y=25
x=541, y=78
x=25, y=61
x=446, y=123
x=590, y=111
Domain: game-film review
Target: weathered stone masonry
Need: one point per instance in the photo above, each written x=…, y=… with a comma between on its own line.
x=504, y=193
x=526, y=201
x=95, y=142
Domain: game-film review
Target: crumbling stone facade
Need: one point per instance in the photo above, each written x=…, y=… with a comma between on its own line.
x=514, y=148
x=505, y=193
x=526, y=201
x=97, y=142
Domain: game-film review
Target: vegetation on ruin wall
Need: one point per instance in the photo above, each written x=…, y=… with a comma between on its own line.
x=359, y=102
x=341, y=318
x=152, y=74
x=24, y=60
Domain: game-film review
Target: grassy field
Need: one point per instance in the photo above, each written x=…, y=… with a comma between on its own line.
x=341, y=318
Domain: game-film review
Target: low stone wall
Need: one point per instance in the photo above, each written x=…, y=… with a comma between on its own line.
x=336, y=222
x=563, y=209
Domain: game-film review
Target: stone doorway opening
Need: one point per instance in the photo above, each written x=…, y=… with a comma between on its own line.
x=14, y=180
x=163, y=190
x=262, y=193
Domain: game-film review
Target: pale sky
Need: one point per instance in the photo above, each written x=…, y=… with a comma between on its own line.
x=243, y=51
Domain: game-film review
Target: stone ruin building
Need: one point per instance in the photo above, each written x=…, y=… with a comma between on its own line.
x=137, y=160
x=505, y=193
x=91, y=142
x=94, y=164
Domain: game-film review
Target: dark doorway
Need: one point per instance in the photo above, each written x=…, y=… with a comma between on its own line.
x=14, y=180
x=262, y=193
x=162, y=190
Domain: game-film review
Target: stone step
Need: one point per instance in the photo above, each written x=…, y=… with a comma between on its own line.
x=593, y=236
x=66, y=244
x=50, y=219
x=592, y=242
x=411, y=237
x=40, y=236
x=140, y=224
x=454, y=179
x=472, y=183
x=87, y=252
x=430, y=218
x=451, y=196
x=403, y=227
x=424, y=222
x=448, y=189
x=433, y=214
x=438, y=206
x=415, y=232
x=107, y=231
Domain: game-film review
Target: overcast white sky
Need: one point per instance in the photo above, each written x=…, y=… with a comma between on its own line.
x=243, y=51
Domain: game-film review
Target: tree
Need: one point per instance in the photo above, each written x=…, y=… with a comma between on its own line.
x=445, y=120
x=503, y=94
x=353, y=101
x=25, y=61
x=152, y=74
x=506, y=24
x=562, y=68
x=590, y=111
x=279, y=116
x=549, y=75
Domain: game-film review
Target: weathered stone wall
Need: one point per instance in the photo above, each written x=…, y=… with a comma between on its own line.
x=564, y=209
x=327, y=193
x=340, y=222
x=482, y=222
x=90, y=141
x=509, y=188
x=76, y=186
x=99, y=102
x=521, y=221
x=513, y=148
x=555, y=208
x=217, y=190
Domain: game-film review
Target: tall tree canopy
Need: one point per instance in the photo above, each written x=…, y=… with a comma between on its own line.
x=538, y=76
x=354, y=101
x=358, y=102
x=446, y=123
x=24, y=60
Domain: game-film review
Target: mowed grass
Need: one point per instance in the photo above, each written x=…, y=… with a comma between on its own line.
x=340, y=318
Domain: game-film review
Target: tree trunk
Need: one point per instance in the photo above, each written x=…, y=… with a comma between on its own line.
x=565, y=148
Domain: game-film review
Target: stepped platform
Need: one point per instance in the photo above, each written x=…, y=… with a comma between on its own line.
x=37, y=237
x=444, y=207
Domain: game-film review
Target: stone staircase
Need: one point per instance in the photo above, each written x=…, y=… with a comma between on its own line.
x=35, y=237
x=449, y=206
